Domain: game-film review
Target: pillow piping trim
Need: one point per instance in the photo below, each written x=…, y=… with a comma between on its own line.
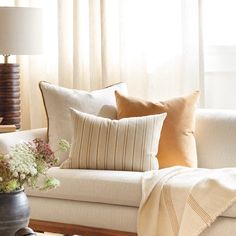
x=45, y=107
x=44, y=102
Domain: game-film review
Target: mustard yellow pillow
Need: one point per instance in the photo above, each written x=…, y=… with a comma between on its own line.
x=177, y=143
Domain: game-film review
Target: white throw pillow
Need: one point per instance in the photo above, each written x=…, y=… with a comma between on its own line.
x=127, y=144
x=58, y=100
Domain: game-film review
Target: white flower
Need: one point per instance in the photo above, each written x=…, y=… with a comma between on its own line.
x=25, y=163
x=22, y=160
x=15, y=174
x=22, y=176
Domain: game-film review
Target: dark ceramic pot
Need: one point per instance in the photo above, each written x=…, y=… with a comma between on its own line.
x=14, y=212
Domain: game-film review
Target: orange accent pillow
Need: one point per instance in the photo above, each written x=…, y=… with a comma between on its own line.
x=177, y=143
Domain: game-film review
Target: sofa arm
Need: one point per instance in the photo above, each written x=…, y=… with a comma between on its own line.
x=8, y=140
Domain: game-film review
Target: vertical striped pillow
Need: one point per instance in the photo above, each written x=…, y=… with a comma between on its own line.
x=126, y=144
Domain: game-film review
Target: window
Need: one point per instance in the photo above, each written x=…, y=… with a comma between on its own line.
x=219, y=38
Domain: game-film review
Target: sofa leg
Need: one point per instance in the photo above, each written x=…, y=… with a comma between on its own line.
x=69, y=229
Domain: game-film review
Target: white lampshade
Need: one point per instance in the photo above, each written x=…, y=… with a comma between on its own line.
x=20, y=31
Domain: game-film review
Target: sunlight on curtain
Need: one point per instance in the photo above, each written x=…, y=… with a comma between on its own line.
x=38, y=67
x=147, y=44
x=153, y=45
x=170, y=47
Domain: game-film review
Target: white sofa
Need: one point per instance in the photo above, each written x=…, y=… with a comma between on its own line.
x=96, y=202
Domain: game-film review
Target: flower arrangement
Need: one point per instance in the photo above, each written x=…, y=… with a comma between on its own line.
x=28, y=161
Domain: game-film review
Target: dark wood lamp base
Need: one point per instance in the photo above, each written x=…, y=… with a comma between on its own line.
x=10, y=94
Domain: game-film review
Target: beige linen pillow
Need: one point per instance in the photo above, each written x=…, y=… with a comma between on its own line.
x=128, y=144
x=177, y=142
x=58, y=100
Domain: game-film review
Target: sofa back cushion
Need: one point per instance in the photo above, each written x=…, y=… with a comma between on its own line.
x=216, y=138
x=128, y=144
x=58, y=100
x=177, y=142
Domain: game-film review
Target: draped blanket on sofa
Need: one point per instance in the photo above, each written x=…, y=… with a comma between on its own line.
x=181, y=201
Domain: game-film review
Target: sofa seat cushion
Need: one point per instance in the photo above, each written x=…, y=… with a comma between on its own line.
x=110, y=187
x=100, y=186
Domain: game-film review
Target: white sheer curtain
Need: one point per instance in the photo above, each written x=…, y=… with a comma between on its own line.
x=153, y=45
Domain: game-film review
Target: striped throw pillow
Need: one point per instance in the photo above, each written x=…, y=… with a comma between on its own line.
x=127, y=144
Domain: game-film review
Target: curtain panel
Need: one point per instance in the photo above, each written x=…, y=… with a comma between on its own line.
x=152, y=45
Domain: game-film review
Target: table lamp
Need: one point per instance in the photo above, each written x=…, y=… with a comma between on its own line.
x=20, y=34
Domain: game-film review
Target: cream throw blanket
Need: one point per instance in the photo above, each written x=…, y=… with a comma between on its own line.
x=181, y=201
